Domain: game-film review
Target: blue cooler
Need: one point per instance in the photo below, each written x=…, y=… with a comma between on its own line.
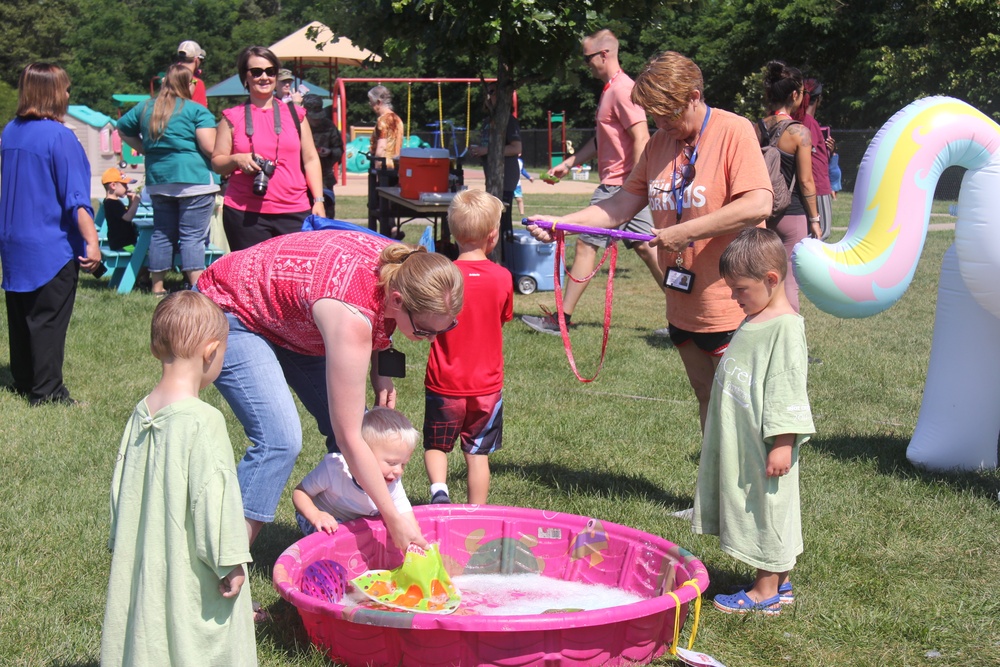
x=530, y=261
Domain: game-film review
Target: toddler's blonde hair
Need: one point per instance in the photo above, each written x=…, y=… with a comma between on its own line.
x=473, y=215
x=182, y=323
x=754, y=252
x=380, y=423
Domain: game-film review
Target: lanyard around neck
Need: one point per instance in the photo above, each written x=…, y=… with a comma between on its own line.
x=679, y=192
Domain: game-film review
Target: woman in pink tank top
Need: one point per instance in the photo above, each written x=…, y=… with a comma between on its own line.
x=269, y=157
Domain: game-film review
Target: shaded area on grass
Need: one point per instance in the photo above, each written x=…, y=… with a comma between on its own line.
x=600, y=483
x=888, y=453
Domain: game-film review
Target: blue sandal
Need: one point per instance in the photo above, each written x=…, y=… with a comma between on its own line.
x=740, y=603
x=785, y=592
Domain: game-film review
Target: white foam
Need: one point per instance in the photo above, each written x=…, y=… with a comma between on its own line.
x=530, y=594
x=523, y=595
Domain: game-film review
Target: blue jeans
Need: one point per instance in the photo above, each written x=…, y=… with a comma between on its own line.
x=180, y=222
x=255, y=380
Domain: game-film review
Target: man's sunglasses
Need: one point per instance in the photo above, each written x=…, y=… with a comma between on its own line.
x=257, y=72
x=420, y=333
x=587, y=57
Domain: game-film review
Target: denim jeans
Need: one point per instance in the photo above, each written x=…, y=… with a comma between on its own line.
x=255, y=380
x=182, y=223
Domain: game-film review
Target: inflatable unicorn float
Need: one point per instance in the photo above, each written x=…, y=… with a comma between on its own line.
x=871, y=267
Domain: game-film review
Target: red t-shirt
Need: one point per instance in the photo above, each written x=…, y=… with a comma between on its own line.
x=468, y=360
x=729, y=165
x=199, y=94
x=820, y=157
x=272, y=286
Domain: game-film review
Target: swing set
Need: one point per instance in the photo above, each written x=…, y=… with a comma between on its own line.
x=442, y=127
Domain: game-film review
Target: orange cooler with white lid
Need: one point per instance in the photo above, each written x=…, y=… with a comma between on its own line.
x=423, y=170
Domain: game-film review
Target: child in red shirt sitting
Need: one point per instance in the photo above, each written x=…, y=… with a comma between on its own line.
x=464, y=380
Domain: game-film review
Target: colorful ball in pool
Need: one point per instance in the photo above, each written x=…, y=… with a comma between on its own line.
x=325, y=580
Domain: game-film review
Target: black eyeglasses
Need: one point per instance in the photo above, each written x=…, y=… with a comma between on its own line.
x=420, y=333
x=257, y=72
x=587, y=57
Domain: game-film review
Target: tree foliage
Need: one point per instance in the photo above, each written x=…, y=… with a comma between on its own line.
x=874, y=56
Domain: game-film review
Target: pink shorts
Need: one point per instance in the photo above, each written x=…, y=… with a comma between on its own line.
x=478, y=420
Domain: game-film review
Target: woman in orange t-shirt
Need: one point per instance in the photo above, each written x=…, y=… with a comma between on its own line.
x=703, y=177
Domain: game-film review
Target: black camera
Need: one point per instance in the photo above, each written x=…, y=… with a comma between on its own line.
x=260, y=181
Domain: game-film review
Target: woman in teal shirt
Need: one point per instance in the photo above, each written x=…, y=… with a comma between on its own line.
x=177, y=137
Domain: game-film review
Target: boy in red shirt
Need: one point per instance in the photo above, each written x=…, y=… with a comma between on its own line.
x=464, y=378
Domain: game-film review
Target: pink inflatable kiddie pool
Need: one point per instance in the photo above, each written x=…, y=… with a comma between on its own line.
x=487, y=539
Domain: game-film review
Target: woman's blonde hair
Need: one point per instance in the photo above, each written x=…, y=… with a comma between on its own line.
x=665, y=85
x=473, y=215
x=380, y=423
x=42, y=92
x=428, y=283
x=182, y=323
x=176, y=86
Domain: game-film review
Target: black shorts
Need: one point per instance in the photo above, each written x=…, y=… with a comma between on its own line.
x=714, y=343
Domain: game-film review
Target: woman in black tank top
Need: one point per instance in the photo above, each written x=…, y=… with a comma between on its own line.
x=783, y=97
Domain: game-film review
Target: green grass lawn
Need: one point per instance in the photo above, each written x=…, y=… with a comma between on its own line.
x=897, y=563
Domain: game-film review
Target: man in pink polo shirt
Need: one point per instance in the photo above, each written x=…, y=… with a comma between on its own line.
x=622, y=133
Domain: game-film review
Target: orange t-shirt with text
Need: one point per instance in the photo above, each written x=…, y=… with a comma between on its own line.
x=729, y=164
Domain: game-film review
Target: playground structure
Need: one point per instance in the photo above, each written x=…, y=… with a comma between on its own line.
x=438, y=134
x=555, y=157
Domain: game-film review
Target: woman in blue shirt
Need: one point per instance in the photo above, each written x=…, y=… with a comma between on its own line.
x=177, y=138
x=46, y=231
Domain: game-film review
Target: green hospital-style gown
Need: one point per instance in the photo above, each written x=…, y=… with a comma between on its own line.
x=759, y=392
x=177, y=528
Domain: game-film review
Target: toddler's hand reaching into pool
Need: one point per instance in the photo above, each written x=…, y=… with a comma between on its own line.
x=325, y=522
x=231, y=584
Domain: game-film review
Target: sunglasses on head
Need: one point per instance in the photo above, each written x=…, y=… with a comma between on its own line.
x=420, y=333
x=257, y=72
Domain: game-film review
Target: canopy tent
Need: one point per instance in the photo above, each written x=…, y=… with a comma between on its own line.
x=233, y=87
x=325, y=49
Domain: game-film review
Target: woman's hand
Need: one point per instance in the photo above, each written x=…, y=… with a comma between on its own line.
x=245, y=163
x=92, y=259
x=404, y=531
x=673, y=238
x=385, y=391
x=319, y=208
x=542, y=235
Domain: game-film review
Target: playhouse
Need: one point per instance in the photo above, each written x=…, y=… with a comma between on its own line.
x=97, y=134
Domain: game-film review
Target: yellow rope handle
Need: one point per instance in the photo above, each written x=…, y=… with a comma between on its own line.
x=697, y=609
x=468, y=114
x=677, y=616
x=677, y=622
x=409, y=98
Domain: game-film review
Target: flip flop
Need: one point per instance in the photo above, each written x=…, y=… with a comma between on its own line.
x=260, y=615
x=740, y=603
